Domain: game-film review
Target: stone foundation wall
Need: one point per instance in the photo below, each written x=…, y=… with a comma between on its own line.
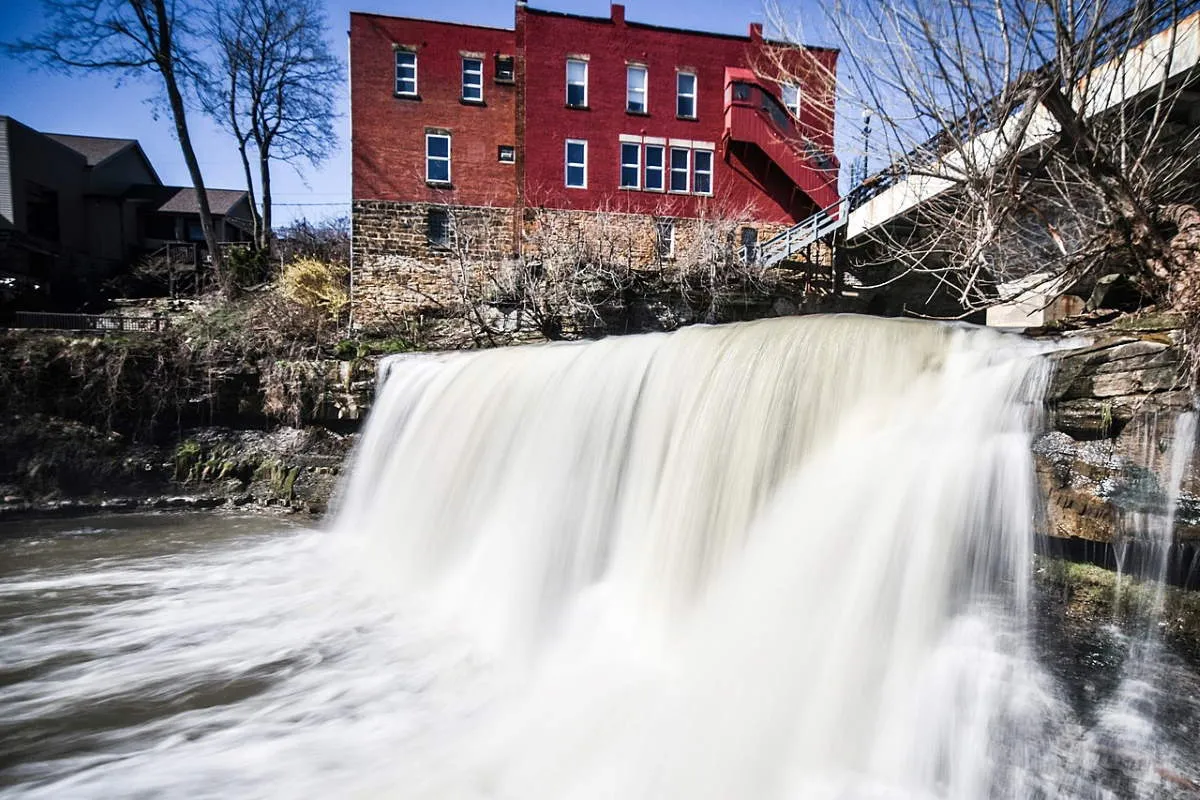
x=399, y=272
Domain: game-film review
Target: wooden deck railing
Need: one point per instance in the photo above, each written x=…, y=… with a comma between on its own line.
x=99, y=323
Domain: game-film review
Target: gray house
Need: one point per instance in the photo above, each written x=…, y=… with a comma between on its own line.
x=77, y=209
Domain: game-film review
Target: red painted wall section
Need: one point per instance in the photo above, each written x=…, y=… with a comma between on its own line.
x=388, y=132
x=741, y=180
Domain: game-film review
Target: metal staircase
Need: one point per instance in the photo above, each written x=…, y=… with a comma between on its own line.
x=803, y=234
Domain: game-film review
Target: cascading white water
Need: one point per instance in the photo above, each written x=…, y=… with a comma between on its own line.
x=782, y=559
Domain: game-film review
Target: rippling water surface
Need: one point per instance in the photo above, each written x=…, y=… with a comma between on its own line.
x=200, y=656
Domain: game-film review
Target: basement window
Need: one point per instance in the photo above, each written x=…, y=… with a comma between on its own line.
x=505, y=72
x=631, y=165
x=664, y=238
x=749, y=249
x=406, y=73
x=506, y=154
x=437, y=227
x=472, y=80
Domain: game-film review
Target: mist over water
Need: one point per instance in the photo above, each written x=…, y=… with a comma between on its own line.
x=782, y=559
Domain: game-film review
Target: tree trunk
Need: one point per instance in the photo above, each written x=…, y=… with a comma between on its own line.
x=166, y=65
x=256, y=221
x=264, y=168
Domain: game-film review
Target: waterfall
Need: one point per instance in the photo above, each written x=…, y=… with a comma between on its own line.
x=780, y=560
x=788, y=558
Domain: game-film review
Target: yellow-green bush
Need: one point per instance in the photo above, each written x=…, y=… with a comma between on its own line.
x=318, y=285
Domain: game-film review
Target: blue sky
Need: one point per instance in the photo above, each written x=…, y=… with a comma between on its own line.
x=96, y=105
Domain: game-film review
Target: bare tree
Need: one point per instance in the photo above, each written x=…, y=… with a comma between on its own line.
x=1045, y=139
x=134, y=37
x=276, y=88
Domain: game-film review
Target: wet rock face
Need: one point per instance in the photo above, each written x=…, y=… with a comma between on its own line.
x=1113, y=406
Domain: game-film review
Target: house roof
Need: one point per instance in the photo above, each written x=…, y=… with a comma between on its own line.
x=183, y=200
x=96, y=149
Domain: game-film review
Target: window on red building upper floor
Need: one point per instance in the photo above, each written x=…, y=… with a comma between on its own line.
x=702, y=171
x=636, y=79
x=437, y=157
x=577, y=83
x=406, y=73
x=791, y=99
x=504, y=69
x=680, y=169
x=472, y=80
x=685, y=95
x=631, y=165
x=654, y=168
x=576, y=164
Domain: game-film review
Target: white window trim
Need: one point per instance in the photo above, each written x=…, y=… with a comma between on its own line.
x=661, y=169
x=670, y=249
x=711, y=169
x=694, y=93
x=637, y=182
x=793, y=110
x=670, y=164
x=567, y=163
x=448, y=158
x=416, y=90
x=479, y=61
x=645, y=87
x=567, y=88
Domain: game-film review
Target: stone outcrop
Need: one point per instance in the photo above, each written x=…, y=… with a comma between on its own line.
x=1113, y=407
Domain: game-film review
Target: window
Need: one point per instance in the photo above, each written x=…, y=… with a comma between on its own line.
x=577, y=83
x=702, y=163
x=472, y=80
x=631, y=166
x=437, y=157
x=506, y=154
x=504, y=69
x=749, y=245
x=680, y=167
x=791, y=99
x=654, y=168
x=635, y=89
x=685, y=95
x=576, y=171
x=664, y=238
x=41, y=211
x=406, y=73
x=437, y=227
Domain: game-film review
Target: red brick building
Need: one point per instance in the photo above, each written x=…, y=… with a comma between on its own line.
x=572, y=114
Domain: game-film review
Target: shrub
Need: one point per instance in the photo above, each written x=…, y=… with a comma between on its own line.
x=317, y=285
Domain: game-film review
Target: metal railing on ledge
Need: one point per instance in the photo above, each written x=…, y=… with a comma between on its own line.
x=803, y=234
x=82, y=323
